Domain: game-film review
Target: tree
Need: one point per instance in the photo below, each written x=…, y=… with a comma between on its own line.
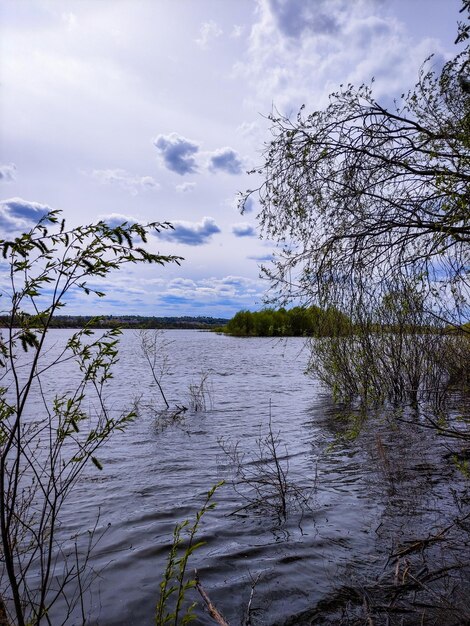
x=359, y=193
x=370, y=206
x=241, y=324
x=47, y=440
x=463, y=28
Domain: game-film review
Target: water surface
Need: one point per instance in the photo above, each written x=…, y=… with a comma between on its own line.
x=359, y=506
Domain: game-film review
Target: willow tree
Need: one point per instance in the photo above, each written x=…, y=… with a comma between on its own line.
x=49, y=435
x=367, y=200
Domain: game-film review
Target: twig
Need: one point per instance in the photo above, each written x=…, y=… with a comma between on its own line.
x=3, y=613
x=421, y=543
x=248, y=608
x=242, y=508
x=213, y=612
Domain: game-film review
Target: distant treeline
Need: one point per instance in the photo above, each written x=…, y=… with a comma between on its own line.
x=296, y=322
x=128, y=321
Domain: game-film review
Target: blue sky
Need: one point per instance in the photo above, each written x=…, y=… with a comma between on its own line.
x=154, y=110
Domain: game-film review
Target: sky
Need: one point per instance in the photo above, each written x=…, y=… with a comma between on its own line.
x=155, y=110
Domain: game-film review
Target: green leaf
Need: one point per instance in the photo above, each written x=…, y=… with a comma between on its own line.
x=96, y=463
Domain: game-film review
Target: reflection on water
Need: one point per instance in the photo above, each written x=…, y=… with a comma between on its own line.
x=370, y=496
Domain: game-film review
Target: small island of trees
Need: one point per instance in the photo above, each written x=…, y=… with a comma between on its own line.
x=296, y=322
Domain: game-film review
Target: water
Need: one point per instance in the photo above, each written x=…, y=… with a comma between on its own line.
x=360, y=506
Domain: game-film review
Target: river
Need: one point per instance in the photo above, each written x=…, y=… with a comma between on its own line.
x=360, y=499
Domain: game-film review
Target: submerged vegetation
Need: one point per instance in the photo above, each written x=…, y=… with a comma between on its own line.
x=262, y=480
x=395, y=353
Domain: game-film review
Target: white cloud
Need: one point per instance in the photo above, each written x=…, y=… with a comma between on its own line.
x=261, y=258
x=217, y=296
x=116, y=219
x=295, y=17
x=177, y=152
x=225, y=160
x=183, y=156
x=248, y=129
x=185, y=187
x=8, y=173
x=128, y=182
x=191, y=233
x=237, y=31
x=299, y=52
x=248, y=206
x=207, y=33
x=17, y=214
x=70, y=19
x=231, y=293
x=243, y=230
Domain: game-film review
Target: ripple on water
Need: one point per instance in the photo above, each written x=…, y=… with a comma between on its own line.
x=154, y=477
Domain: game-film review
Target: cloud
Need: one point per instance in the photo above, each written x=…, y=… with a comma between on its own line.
x=70, y=19
x=266, y=258
x=18, y=214
x=237, y=31
x=235, y=292
x=191, y=233
x=248, y=129
x=299, y=52
x=145, y=293
x=113, y=220
x=180, y=155
x=185, y=187
x=177, y=153
x=128, y=182
x=243, y=230
x=207, y=33
x=8, y=173
x=248, y=206
x=370, y=28
x=226, y=160
x=116, y=219
x=294, y=17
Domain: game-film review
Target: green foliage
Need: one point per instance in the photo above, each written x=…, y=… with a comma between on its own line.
x=170, y=606
x=464, y=27
x=47, y=440
x=295, y=322
x=462, y=465
x=130, y=321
